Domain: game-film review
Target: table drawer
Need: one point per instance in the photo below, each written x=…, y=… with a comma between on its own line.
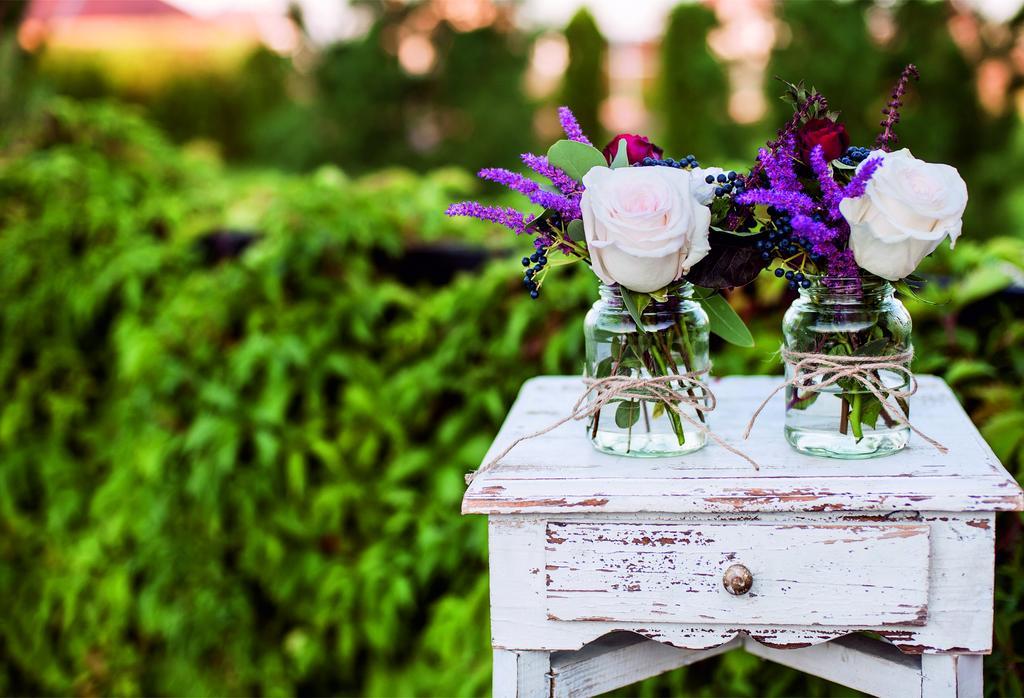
x=802, y=574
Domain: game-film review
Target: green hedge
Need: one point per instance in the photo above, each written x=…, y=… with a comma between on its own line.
x=244, y=477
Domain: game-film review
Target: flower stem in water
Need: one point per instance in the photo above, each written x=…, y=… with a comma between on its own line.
x=855, y=416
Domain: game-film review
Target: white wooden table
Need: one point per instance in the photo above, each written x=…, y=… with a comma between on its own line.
x=606, y=570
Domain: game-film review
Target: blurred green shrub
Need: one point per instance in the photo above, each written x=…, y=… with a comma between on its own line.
x=355, y=106
x=585, y=83
x=371, y=113
x=693, y=89
x=241, y=112
x=244, y=477
x=15, y=64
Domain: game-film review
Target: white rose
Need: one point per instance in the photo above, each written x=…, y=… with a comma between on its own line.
x=908, y=208
x=645, y=226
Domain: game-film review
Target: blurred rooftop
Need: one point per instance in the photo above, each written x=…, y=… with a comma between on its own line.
x=127, y=25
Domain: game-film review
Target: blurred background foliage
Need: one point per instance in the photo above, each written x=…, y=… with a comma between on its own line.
x=585, y=83
x=245, y=361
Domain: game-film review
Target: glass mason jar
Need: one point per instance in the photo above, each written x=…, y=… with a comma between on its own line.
x=845, y=419
x=675, y=342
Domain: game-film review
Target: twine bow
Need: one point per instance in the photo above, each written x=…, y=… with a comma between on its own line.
x=658, y=388
x=807, y=367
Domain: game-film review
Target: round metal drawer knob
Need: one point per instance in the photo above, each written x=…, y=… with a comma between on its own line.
x=737, y=580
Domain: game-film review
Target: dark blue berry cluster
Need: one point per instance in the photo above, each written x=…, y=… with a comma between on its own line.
x=727, y=182
x=688, y=162
x=781, y=243
x=539, y=259
x=795, y=278
x=854, y=155
x=554, y=221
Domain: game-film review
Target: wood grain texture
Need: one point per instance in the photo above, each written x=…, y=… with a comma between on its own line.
x=561, y=472
x=804, y=574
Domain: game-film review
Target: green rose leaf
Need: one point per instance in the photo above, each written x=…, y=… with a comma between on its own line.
x=661, y=295
x=876, y=347
x=575, y=158
x=805, y=401
x=635, y=303
x=627, y=414
x=870, y=410
x=724, y=320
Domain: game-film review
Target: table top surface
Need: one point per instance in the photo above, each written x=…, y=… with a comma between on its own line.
x=560, y=472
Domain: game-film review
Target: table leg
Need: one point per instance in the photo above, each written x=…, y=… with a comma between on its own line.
x=521, y=674
x=951, y=676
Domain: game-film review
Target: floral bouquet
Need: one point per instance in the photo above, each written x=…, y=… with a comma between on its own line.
x=839, y=223
x=843, y=225
x=646, y=226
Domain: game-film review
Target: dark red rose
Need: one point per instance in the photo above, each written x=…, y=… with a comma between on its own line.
x=830, y=135
x=637, y=148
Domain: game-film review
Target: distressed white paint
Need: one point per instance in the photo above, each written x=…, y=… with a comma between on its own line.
x=960, y=582
x=951, y=676
x=804, y=574
x=914, y=561
x=858, y=662
x=561, y=472
x=522, y=674
x=619, y=660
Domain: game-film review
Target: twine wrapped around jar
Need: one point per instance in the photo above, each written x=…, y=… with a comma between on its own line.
x=658, y=388
x=830, y=369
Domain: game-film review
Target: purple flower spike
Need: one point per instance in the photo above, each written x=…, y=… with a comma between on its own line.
x=571, y=127
x=543, y=241
x=818, y=234
x=539, y=164
x=843, y=271
x=858, y=185
x=831, y=193
x=569, y=208
x=789, y=130
x=779, y=164
x=887, y=138
x=512, y=219
x=785, y=191
x=792, y=202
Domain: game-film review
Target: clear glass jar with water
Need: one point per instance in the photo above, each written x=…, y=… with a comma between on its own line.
x=673, y=342
x=848, y=318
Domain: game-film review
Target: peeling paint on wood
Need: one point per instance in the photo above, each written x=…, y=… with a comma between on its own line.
x=560, y=471
x=957, y=614
x=583, y=544
x=822, y=574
